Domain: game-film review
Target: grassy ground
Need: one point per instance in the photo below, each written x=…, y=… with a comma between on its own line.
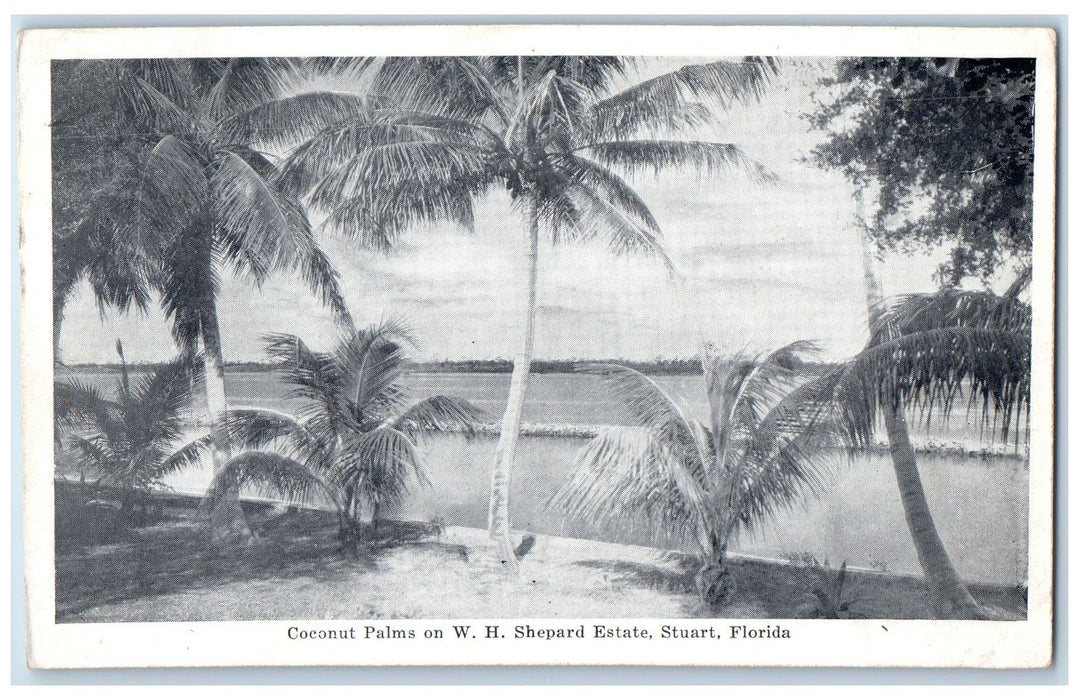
x=171, y=572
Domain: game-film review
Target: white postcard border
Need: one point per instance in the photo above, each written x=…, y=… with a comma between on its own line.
x=812, y=643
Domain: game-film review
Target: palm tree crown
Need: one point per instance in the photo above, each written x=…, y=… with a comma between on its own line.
x=435, y=133
x=130, y=441
x=202, y=192
x=704, y=481
x=353, y=440
x=930, y=353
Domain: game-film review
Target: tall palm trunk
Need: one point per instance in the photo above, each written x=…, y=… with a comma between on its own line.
x=226, y=519
x=499, y=519
x=948, y=596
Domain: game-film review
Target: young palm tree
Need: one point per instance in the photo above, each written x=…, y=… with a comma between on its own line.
x=760, y=449
x=928, y=353
x=353, y=441
x=130, y=441
x=552, y=131
x=203, y=198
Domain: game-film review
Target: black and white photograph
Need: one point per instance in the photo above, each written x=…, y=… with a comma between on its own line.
x=724, y=347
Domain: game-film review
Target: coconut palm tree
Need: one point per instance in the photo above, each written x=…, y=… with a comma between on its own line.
x=203, y=199
x=552, y=131
x=353, y=441
x=930, y=354
x=130, y=441
x=704, y=482
x=924, y=351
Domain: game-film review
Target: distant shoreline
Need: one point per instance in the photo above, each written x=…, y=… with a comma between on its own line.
x=659, y=367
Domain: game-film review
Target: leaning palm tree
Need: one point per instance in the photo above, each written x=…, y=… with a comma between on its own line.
x=761, y=448
x=203, y=199
x=930, y=354
x=353, y=441
x=552, y=131
x=132, y=441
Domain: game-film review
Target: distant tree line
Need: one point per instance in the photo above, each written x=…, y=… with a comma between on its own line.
x=658, y=366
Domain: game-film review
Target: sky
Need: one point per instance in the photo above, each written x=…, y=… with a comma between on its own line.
x=759, y=265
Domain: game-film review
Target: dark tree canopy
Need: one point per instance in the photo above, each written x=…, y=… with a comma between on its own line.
x=950, y=141
x=96, y=143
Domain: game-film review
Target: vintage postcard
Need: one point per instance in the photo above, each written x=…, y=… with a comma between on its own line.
x=439, y=345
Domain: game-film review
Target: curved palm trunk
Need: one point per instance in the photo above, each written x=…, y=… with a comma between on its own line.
x=948, y=596
x=499, y=519
x=227, y=518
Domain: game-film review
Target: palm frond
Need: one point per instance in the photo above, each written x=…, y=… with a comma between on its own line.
x=281, y=123
x=381, y=465
x=158, y=399
x=378, y=224
x=650, y=405
x=150, y=94
x=104, y=248
x=310, y=375
x=624, y=475
x=97, y=452
x=782, y=465
x=259, y=226
x=439, y=414
x=950, y=308
x=378, y=174
x=932, y=369
x=636, y=119
x=170, y=78
x=611, y=187
x=323, y=279
x=718, y=84
x=246, y=83
x=654, y=409
x=269, y=474
x=80, y=405
x=346, y=68
x=191, y=454
x=662, y=100
x=339, y=145
x=118, y=274
x=635, y=156
x=743, y=390
x=592, y=217
x=155, y=107
x=372, y=360
x=257, y=428
x=174, y=190
x=262, y=228
x=188, y=280
x=444, y=86
x=927, y=350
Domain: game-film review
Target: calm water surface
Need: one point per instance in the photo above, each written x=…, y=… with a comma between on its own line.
x=980, y=505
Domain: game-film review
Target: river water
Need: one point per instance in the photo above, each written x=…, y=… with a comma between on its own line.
x=980, y=504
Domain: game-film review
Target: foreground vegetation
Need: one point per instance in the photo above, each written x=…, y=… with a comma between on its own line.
x=297, y=570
